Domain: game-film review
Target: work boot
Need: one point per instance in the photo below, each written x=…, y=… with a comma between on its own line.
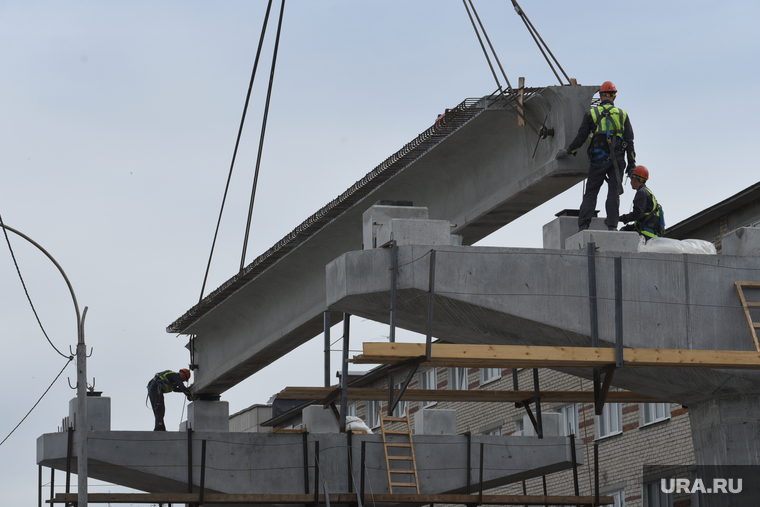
x=611, y=228
x=159, y=427
x=582, y=227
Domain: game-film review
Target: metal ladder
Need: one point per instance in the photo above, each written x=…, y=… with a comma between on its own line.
x=409, y=458
x=746, y=305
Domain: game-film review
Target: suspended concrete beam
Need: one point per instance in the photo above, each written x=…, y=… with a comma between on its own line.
x=477, y=171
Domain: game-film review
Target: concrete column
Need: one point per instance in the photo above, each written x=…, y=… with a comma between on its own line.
x=726, y=431
x=205, y=415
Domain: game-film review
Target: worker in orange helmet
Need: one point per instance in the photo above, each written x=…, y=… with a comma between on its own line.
x=610, y=135
x=166, y=382
x=647, y=216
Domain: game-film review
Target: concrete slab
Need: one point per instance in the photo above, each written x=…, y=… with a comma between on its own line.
x=435, y=422
x=743, y=241
x=551, y=425
x=605, y=241
x=270, y=463
x=407, y=231
x=558, y=230
x=378, y=215
x=98, y=412
x=517, y=296
x=205, y=415
x=479, y=177
x=317, y=419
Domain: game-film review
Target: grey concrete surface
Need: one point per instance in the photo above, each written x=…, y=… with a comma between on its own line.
x=479, y=178
x=98, y=413
x=516, y=296
x=604, y=241
x=726, y=431
x=317, y=419
x=270, y=463
x=203, y=415
x=558, y=230
x=743, y=241
x=435, y=422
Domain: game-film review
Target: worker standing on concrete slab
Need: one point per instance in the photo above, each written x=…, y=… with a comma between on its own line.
x=647, y=215
x=166, y=382
x=610, y=135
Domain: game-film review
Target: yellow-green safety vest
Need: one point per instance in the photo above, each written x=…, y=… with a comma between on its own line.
x=166, y=385
x=643, y=225
x=616, y=126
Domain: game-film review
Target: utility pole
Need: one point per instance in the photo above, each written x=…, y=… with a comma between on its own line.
x=81, y=422
x=81, y=418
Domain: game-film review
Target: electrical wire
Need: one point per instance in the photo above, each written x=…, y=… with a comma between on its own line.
x=237, y=144
x=28, y=297
x=38, y=401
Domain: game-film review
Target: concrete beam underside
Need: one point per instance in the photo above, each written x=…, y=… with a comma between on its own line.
x=267, y=463
x=479, y=178
x=508, y=296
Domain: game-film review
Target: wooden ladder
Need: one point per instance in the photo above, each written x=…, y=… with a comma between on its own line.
x=746, y=305
x=409, y=458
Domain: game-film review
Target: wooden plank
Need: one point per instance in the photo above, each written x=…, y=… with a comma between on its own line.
x=483, y=396
x=520, y=101
x=513, y=356
x=343, y=498
x=739, y=286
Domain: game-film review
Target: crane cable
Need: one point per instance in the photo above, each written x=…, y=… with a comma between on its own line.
x=263, y=131
x=536, y=37
x=511, y=98
x=488, y=59
x=237, y=144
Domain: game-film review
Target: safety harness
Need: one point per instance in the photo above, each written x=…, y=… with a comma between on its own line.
x=166, y=385
x=652, y=224
x=610, y=120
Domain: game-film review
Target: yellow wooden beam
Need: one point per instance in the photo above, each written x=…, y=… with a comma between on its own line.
x=519, y=356
x=381, y=394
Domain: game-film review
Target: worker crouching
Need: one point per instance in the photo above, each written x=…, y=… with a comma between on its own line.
x=647, y=217
x=166, y=382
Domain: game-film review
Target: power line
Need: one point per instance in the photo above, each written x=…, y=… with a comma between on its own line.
x=18, y=270
x=38, y=401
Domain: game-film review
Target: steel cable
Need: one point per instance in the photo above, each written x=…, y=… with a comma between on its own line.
x=237, y=144
x=263, y=131
x=534, y=33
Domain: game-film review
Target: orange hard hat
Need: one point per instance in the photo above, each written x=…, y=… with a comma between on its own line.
x=186, y=372
x=642, y=172
x=608, y=87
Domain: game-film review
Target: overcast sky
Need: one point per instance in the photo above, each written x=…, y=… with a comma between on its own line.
x=118, y=121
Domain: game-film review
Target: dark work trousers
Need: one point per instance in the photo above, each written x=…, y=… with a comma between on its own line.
x=156, y=395
x=595, y=180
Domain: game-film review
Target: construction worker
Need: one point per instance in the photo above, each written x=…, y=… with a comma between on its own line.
x=647, y=216
x=610, y=136
x=166, y=382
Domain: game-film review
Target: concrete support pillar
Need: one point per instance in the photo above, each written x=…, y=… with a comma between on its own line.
x=726, y=431
x=204, y=415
